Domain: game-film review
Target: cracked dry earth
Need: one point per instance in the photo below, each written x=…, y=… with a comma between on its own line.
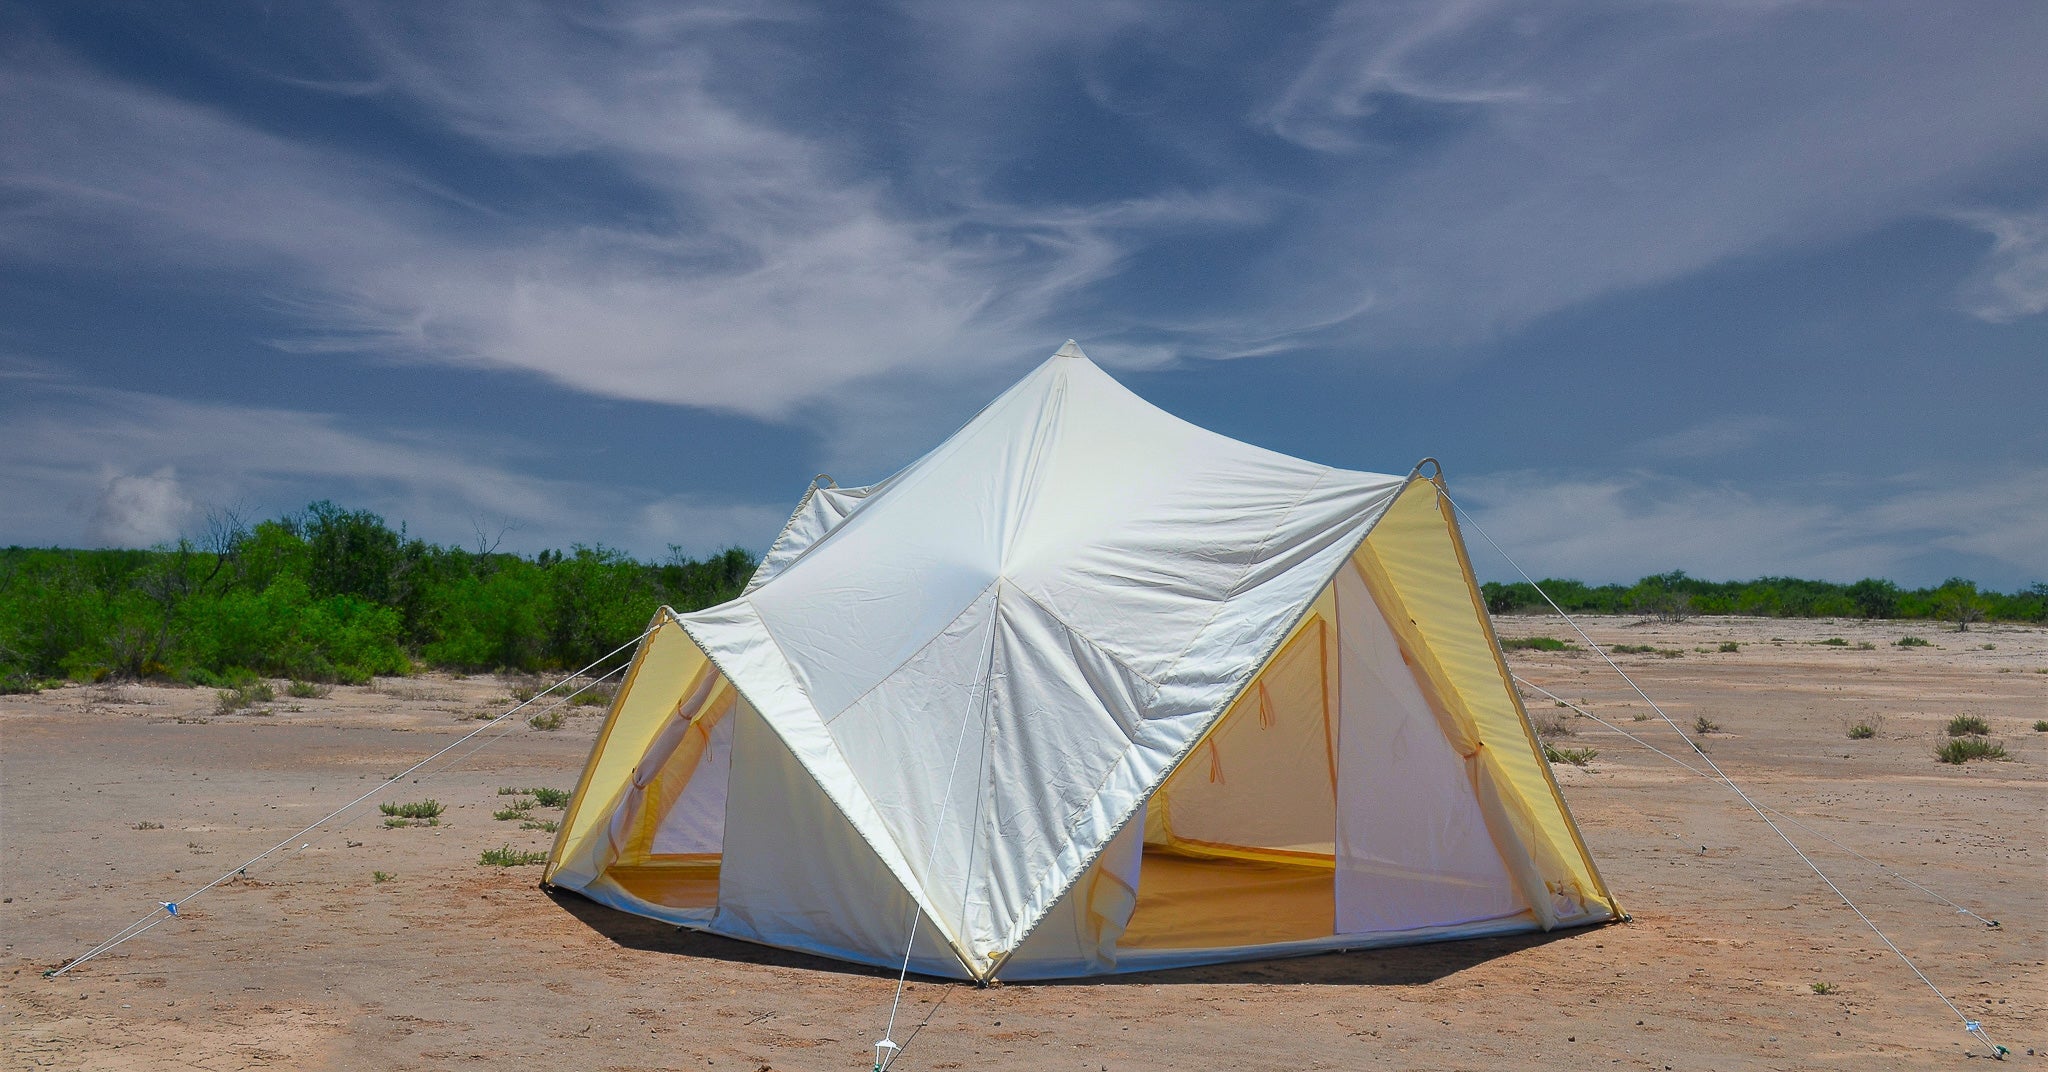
x=117, y=797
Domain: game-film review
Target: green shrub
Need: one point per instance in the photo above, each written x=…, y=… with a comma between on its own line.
x=1730, y=645
x=1538, y=643
x=419, y=809
x=381, y=876
x=1910, y=642
x=548, y=825
x=2041, y=725
x=507, y=856
x=592, y=697
x=1862, y=731
x=1965, y=749
x=1577, y=757
x=307, y=690
x=548, y=720
x=550, y=798
x=517, y=810
x=1632, y=649
x=1834, y=642
x=1968, y=724
x=1823, y=988
x=1704, y=725
x=229, y=701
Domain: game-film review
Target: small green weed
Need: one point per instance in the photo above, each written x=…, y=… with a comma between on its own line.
x=510, y=791
x=1862, y=731
x=1704, y=725
x=1968, y=724
x=1632, y=649
x=308, y=690
x=1539, y=643
x=1577, y=757
x=1911, y=642
x=1730, y=645
x=381, y=876
x=518, y=810
x=550, y=798
x=2041, y=725
x=1965, y=749
x=1823, y=988
x=1640, y=716
x=546, y=720
x=548, y=825
x=597, y=697
x=1833, y=642
x=419, y=809
x=147, y=825
x=507, y=856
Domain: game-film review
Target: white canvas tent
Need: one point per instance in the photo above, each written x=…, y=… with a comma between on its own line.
x=1090, y=689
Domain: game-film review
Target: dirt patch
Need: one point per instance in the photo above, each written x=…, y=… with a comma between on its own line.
x=311, y=962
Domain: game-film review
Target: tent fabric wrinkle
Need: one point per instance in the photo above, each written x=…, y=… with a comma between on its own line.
x=968, y=695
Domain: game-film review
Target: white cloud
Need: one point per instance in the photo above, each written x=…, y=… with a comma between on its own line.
x=138, y=511
x=1628, y=525
x=2013, y=281
x=83, y=457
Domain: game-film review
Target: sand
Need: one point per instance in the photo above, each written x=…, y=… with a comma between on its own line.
x=117, y=797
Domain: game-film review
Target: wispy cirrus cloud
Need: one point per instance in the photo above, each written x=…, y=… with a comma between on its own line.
x=2013, y=281
x=1580, y=150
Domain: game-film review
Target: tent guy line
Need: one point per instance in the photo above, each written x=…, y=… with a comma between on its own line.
x=1974, y=1027
x=169, y=909
x=1782, y=815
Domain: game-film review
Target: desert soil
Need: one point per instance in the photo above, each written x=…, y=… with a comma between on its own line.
x=116, y=797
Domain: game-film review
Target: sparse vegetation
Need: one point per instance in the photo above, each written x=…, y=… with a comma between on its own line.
x=547, y=720
x=550, y=798
x=1965, y=749
x=1834, y=642
x=548, y=825
x=507, y=856
x=1538, y=643
x=148, y=825
x=1552, y=725
x=381, y=876
x=1577, y=757
x=1823, y=988
x=592, y=697
x=1703, y=725
x=243, y=697
x=308, y=690
x=1865, y=645
x=417, y=813
x=517, y=810
x=2041, y=725
x=1632, y=649
x=1911, y=642
x=1730, y=645
x=1968, y=725
x=1862, y=731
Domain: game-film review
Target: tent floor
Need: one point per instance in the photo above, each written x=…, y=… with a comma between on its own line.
x=1187, y=902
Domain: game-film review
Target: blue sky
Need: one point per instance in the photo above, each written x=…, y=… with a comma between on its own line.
x=1738, y=287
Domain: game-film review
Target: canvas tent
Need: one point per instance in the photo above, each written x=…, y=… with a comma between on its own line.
x=1085, y=689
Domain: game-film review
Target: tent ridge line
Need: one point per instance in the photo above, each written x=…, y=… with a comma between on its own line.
x=1307, y=607
x=909, y=882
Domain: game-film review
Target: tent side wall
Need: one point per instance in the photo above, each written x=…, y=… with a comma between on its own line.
x=1415, y=565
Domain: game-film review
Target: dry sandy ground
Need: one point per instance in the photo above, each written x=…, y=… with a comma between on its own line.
x=310, y=963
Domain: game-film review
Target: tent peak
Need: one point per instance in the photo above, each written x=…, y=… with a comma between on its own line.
x=1071, y=349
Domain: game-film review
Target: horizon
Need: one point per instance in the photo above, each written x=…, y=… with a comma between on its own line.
x=1744, y=292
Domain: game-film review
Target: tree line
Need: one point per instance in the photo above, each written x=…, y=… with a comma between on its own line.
x=330, y=594
x=1675, y=595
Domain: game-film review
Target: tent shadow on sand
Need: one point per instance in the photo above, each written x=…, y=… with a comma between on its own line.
x=1409, y=965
